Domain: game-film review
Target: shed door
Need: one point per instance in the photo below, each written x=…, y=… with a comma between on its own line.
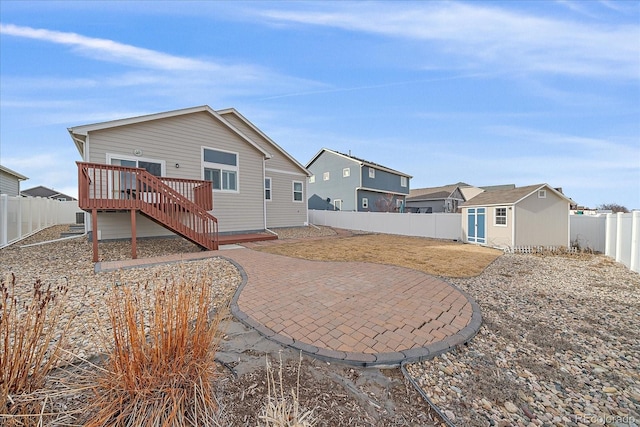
x=476, y=225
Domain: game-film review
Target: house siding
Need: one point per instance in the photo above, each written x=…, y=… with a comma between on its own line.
x=9, y=184
x=179, y=140
x=499, y=235
x=337, y=187
x=377, y=201
x=543, y=222
x=383, y=181
x=282, y=211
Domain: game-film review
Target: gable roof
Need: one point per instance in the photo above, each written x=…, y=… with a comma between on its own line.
x=42, y=191
x=509, y=196
x=362, y=162
x=432, y=193
x=14, y=173
x=262, y=134
x=79, y=133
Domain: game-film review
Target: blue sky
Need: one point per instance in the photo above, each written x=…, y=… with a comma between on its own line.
x=488, y=93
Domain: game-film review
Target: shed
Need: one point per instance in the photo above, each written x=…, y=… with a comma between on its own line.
x=534, y=215
x=10, y=181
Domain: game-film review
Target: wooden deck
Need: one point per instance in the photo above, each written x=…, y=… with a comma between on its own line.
x=230, y=239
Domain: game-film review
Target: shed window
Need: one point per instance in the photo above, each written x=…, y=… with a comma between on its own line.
x=297, y=191
x=542, y=194
x=501, y=216
x=372, y=173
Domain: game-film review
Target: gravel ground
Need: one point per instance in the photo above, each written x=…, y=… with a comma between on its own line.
x=560, y=345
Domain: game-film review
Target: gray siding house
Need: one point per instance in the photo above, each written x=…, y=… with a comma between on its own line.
x=345, y=182
x=535, y=215
x=444, y=199
x=256, y=184
x=10, y=181
x=47, y=193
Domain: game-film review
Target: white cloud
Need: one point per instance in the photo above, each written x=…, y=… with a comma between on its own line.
x=489, y=35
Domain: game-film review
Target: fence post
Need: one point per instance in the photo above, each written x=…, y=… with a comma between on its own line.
x=633, y=265
x=618, y=236
x=4, y=205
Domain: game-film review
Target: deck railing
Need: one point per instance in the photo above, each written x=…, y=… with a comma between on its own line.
x=180, y=205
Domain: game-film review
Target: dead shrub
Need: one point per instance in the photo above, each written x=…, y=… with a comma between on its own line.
x=31, y=340
x=161, y=368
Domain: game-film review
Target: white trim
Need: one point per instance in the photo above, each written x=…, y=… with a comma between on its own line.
x=372, y=172
x=293, y=191
x=346, y=172
x=513, y=226
x=222, y=167
x=326, y=176
x=542, y=194
x=495, y=216
x=270, y=188
x=404, y=181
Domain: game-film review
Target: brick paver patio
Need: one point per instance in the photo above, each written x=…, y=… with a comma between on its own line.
x=354, y=312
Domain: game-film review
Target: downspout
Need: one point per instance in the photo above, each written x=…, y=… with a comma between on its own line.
x=264, y=199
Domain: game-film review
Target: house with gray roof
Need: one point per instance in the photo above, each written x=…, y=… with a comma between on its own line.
x=534, y=215
x=443, y=199
x=344, y=182
x=47, y=193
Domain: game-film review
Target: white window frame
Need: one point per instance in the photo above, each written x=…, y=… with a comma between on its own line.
x=224, y=169
x=293, y=194
x=496, y=216
x=542, y=194
x=312, y=179
x=346, y=172
x=268, y=188
x=326, y=176
x=365, y=203
x=372, y=172
x=337, y=204
x=403, y=181
x=112, y=186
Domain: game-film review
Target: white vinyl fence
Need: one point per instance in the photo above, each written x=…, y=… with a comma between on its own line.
x=436, y=225
x=615, y=235
x=23, y=216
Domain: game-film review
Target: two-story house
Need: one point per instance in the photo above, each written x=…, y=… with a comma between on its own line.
x=344, y=182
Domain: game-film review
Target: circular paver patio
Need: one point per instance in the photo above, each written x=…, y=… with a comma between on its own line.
x=353, y=312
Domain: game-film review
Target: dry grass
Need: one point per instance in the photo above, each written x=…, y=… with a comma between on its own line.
x=161, y=368
x=436, y=257
x=282, y=410
x=30, y=348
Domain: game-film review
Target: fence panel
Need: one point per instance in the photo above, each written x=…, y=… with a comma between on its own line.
x=437, y=225
x=22, y=216
x=588, y=232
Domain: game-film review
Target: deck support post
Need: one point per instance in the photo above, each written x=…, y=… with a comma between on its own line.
x=94, y=233
x=134, y=243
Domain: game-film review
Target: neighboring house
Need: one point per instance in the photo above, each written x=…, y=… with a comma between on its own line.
x=47, y=193
x=535, y=215
x=344, y=182
x=10, y=181
x=189, y=156
x=445, y=199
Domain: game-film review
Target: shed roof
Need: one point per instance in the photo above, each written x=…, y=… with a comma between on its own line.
x=509, y=196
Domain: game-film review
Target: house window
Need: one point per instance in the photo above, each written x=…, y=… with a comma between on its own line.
x=365, y=203
x=501, y=216
x=267, y=188
x=326, y=176
x=403, y=181
x=542, y=194
x=372, y=173
x=312, y=179
x=346, y=172
x=337, y=204
x=221, y=168
x=297, y=191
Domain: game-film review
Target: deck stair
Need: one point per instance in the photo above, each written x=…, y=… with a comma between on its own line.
x=180, y=205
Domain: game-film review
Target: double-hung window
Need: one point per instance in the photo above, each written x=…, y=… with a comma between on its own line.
x=501, y=216
x=297, y=191
x=221, y=168
x=267, y=188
